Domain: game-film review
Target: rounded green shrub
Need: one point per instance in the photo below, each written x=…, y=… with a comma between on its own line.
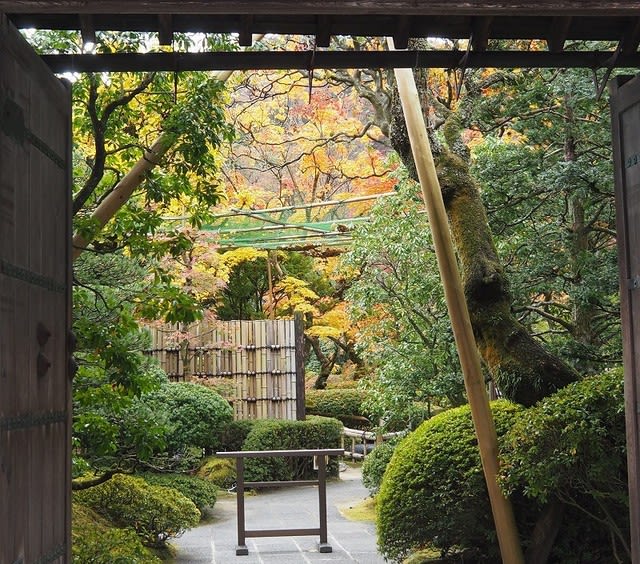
x=155, y=513
x=571, y=448
x=201, y=492
x=433, y=491
x=271, y=434
x=234, y=433
x=219, y=471
x=197, y=415
x=375, y=464
x=345, y=404
x=95, y=540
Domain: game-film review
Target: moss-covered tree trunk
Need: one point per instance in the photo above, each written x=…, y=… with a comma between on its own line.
x=521, y=368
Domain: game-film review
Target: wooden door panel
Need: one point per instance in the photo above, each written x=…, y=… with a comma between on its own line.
x=35, y=290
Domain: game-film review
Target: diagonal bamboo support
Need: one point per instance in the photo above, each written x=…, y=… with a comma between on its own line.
x=469, y=359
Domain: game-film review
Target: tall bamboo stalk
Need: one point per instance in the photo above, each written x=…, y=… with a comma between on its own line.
x=506, y=529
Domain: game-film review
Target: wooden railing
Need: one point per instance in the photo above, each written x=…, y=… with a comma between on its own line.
x=357, y=444
x=321, y=456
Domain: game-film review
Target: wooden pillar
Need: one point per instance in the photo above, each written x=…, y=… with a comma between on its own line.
x=299, y=356
x=467, y=351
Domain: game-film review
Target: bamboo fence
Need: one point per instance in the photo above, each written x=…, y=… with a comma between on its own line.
x=256, y=358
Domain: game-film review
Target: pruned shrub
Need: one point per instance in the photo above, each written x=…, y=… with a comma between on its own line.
x=155, y=513
x=96, y=541
x=270, y=434
x=219, y=471
x=433, y=492
x=345, y=404
x=570, y=449
x=197, y=415
x=234, y=433
x=201, y=492
x=375, y=464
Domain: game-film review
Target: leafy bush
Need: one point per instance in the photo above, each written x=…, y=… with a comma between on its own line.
x=271, y=434
x=571, y=447
x=196, y=414
x=156, y=513
x=219, y=471
x=433, y=491
x=201, y=492
x=375, y=464
x=234, y=434
x=95, y=540
x=345, y=404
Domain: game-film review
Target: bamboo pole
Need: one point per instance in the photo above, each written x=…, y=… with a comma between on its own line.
x=482, y=419
x=127, y=186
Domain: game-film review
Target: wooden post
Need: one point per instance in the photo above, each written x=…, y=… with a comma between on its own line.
x=482, y=419
x=299, y=356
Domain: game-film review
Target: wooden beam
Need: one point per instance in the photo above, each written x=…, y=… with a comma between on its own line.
x=558, y=33
x=245, y=37
x=480, y=32
x=401, y=34
x=390, y=7
x=323, y=31
x=165, y=29
x=136, y=62
x=631, y=38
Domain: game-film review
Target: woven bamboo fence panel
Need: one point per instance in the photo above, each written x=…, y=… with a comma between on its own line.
x=257, y=357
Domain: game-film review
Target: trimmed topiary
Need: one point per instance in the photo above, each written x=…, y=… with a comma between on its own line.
x=197, y=415
x=271, y=434
x=155, y=513
x=570, y=449
x=345, y=404
x=433, y=491
x=219, y=471
x=375, y=464
x=234, y=433
x=95, y=540
x=201, y=492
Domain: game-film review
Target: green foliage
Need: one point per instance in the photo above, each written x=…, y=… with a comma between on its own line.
x=197, y=415
x=156, y=513
x=219, y=471
x=404, y=334
x=95, y=541
x=109, y=432
x=271, y=434
x=201, y=492
x=547, y=182
x=347, y=405
x=571, y=447
x=433, y=491
x=234, y=433
x=375, y=464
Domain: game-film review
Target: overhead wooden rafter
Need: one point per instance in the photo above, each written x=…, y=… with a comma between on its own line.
x=555, y=23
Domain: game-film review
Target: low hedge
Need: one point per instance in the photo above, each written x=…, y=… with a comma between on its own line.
x=201, y=492
x=96, y=541
x=345, y=404
x=270, y=434
x=234, y=433
x=156, y=513
x=375, y=464
x=218, y=471
x=433, y=492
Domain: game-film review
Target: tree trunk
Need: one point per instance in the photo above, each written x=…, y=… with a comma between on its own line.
x=522, y=369
x=545, y=532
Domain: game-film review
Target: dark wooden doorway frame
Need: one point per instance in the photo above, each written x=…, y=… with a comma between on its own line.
x=553, y=21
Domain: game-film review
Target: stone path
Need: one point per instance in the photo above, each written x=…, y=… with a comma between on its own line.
x=351, y=541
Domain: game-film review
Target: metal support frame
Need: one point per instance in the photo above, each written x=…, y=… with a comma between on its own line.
x=321, y=456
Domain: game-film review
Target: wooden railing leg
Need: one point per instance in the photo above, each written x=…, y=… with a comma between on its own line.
x=241, y=549
x=323, y=546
